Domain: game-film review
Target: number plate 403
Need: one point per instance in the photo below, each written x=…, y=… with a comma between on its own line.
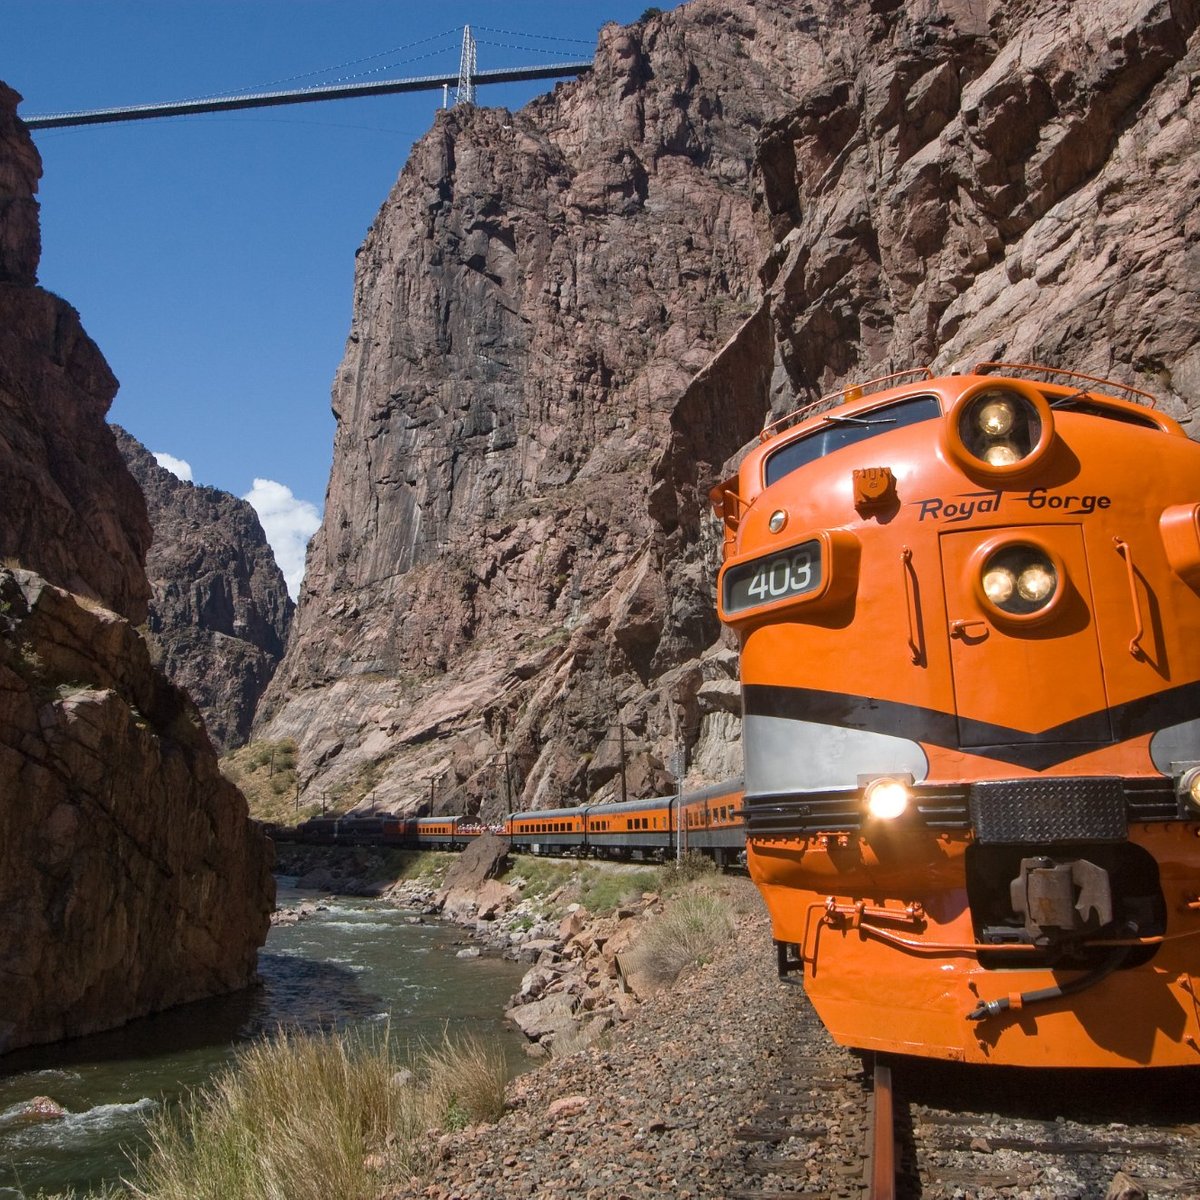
x=801, y=570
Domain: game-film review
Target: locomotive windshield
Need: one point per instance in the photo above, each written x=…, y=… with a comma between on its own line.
x=842, y=431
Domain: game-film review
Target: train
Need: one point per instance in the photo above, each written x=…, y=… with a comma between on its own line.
x=968, y=616
x=706, y=821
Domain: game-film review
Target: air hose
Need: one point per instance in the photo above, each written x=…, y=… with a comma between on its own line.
x=993, y=1008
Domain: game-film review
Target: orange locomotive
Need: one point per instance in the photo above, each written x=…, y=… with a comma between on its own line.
x=969, y=613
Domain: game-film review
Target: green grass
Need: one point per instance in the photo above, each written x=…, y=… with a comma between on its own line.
x=603, y=891
x=598, y=888
x=427, y=866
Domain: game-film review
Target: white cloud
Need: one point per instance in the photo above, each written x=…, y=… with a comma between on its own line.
x=288, y=523
x=177, y=466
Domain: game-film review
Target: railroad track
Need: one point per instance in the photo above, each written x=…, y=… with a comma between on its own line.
x=814, y=1134
x=983, y=1132
x=839, y=1126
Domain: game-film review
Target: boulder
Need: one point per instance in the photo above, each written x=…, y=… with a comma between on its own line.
x=544, y=1018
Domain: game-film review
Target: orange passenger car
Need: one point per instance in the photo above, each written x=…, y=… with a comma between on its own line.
x=969, y=614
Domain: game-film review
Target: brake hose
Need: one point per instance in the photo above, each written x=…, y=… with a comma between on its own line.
x=993, y=1008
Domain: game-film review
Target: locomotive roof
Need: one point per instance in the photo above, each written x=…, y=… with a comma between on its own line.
x=1055, y=382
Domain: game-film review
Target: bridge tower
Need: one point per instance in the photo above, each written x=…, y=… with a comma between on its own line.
x=466, y=70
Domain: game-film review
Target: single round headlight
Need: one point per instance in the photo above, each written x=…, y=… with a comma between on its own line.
x=777, y=521
x=1037, y=582
x=996, y=417
x=1001, y=454
x=886, y=799
x=998, y=584
x=1019, y=579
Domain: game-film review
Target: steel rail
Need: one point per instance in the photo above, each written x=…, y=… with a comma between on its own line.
x=385, y=87
x=882, y=1168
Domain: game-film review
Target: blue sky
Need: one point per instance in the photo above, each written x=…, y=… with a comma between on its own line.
x=212, y=257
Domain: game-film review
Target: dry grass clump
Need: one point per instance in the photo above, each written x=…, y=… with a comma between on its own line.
x=691, y=927
x=317, y=1116
x=463, y=1083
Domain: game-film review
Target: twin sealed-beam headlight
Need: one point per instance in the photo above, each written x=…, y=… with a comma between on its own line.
x=887, y=798
x=1000, y=429
x=1021, y=581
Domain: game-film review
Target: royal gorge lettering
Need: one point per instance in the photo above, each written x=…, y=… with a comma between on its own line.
x=961, y=508
x=966, y=505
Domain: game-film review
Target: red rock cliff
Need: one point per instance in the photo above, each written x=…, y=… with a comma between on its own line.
x=569, y=319
x=130, y=879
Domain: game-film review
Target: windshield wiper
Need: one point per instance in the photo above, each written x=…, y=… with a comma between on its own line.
x=859, y=420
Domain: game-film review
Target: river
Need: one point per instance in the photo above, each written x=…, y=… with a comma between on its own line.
x=356, y=961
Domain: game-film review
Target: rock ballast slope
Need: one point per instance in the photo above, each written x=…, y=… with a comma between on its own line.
x=569, y=319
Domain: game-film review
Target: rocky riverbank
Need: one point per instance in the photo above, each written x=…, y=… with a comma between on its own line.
x=645, y=1081
x=651, y=1108
x=587, y=972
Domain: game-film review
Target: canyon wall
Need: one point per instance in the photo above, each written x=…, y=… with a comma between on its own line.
x=130, y=879
x=568, y=320
x=219, y=610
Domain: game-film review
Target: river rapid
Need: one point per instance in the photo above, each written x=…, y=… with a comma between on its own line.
x=353, y=962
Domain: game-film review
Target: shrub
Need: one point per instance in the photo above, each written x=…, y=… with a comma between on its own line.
x=690, y=866
x=688, y=930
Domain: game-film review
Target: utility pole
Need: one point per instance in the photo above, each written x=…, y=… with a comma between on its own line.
x=621, y=739
x=507, y=784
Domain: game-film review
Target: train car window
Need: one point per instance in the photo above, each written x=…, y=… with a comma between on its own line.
x=842, y=431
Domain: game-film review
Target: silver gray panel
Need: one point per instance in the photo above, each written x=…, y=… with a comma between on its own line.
x=1176, y=744
x=783, y=755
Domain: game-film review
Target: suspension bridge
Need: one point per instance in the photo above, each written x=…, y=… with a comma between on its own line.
x=464, y=82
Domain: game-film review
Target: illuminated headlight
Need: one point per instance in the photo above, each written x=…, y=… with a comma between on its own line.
x=1000, y=427
x=1001, y=454
x=1019, y=580
x=996, y=417
x=998, y=585
x=886, y=799
x=1037, y=582
x=778, y=520
x=1189, y=789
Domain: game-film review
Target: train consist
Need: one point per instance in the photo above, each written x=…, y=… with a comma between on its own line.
x=969, y=617
x=707, y=821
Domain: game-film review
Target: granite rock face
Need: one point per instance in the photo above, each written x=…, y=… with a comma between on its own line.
x=130, y=878
x=568, y=321
x=70, y=509
x=129, y=881
x=219, y=607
